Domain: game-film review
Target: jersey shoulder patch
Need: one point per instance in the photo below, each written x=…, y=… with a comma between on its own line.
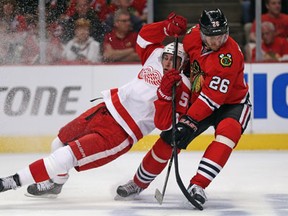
x=225, y=59
x=150, y=75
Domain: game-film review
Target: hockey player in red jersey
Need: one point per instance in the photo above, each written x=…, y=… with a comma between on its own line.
x=109, y=129
x=220, y=99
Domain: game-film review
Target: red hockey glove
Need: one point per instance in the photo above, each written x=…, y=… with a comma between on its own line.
x=165, y=89
x=175, y=25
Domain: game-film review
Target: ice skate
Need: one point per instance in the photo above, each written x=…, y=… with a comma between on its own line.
x=10, y=182
x=45, y=189
x=128, y=191
x=197, y=193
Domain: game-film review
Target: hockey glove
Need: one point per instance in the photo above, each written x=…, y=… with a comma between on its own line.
x=164, y=91
x=175, y=25
x=184, y=134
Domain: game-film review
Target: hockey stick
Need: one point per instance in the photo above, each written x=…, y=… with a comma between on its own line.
x=175, y=153
x=158, y=195
x=180, y=183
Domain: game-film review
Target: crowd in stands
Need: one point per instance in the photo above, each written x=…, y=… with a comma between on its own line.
x=274, y=30
x=77, y=31
x=96, y=31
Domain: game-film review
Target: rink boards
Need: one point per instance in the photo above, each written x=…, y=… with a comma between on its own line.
x=36, y=101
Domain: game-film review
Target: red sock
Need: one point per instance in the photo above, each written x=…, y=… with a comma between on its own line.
x=38, y=171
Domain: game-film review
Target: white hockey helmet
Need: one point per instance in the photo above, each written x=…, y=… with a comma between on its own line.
x=169, y=48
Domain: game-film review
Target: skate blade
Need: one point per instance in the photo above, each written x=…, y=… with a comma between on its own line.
x=45, y=196
x=129, y=198
x=158, y=196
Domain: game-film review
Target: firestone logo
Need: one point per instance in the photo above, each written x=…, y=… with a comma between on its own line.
x=21, y=100
x=150, y=75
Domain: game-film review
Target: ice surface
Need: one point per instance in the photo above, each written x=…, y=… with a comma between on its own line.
x=252, y=183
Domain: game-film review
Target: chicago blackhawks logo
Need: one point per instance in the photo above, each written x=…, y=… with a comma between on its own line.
x=226, y=60
x=150, y=75
x=197, y=77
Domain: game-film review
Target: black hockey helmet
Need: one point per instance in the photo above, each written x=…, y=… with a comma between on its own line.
x=213, y=23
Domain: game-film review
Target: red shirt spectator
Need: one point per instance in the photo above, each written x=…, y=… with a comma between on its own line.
x=274, y=15
x=119, y=44
x=83, y=10
x=274, y=48
x=280, y=22
x=136, y=20
x=99, y=6
x=129, y=41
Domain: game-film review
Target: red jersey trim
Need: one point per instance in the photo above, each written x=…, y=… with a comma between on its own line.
x=41, y=175
x=124, y=114
x=244, y=117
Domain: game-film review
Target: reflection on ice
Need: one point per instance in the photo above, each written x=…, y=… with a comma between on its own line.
x=252, y=183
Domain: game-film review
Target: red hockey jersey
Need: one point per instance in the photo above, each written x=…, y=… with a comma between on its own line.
x=224, y=74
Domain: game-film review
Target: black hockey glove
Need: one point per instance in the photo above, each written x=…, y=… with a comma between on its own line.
x=184, y=134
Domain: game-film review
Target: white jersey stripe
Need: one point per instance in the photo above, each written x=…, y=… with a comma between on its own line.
x=157, y=158
x=244, y=118
x=205, y=175
x=213, y=105
x=212, y=163
x=209, y=169
x=225, y=140
x=142, y=42
x=104, y=154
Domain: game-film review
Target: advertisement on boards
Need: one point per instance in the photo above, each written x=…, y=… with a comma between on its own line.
x=36, y=101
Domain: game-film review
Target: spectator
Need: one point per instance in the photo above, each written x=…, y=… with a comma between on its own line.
x=82, y=48
x=119, y=44
x=16, y=27
x=54, y=48
x=115, y=5
x=15, y=22
x=274, y=48
x=264, y=9
x=31, y=51
x=99, y=6
x=54, y=10
x=273, y=15
x=54, y=7
x=83, y=10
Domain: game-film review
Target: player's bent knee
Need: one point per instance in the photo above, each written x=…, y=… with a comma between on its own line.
x=60, y=161
x=162, y=149
x=229, y=131
x=56, y=144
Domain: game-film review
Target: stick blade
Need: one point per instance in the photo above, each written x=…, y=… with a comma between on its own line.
x=158, y=196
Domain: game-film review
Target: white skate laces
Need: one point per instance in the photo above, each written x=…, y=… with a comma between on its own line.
x=44, y=186
x=8, y=183
x=45, y=189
